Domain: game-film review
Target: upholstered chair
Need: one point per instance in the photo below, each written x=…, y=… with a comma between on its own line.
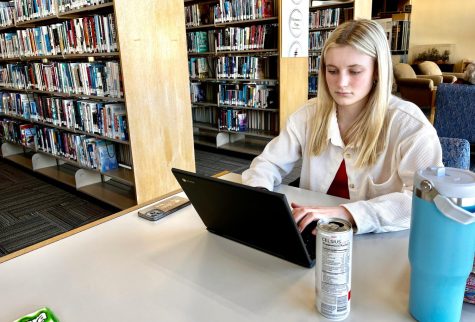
x=431, y=68
x=419, y=89
x=455, y=152
x=455, y=113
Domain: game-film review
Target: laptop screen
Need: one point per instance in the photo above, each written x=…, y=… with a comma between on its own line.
x=257, y=218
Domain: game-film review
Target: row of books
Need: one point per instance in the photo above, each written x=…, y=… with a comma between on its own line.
x=199, y=67
x=233, y=39
x=232, y=67
x=88, y=152
x=256, y=119
x=33, y=9
x=67, y=5
x=90, y=34
x=199, y=41
x=97, y=78
x=247, y=95
x=400, y=35
x=330, y=18
x=325, y=18
x=244, y=67
x=247, y=38
x=314, y=63
x=235, y=10
x=204, y=114
x=7, y=10
x=228, y=10
x=108, y=120
x=316, y=39
x=232, y=120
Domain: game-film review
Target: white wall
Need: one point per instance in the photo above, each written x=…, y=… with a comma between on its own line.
x=444, y=22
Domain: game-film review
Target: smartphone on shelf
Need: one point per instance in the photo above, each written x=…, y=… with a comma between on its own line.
x=164, y=208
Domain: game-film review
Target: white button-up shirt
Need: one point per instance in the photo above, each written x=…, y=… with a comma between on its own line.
x=380, y=195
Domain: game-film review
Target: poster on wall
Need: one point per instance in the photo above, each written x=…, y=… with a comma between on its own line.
x=295, y=28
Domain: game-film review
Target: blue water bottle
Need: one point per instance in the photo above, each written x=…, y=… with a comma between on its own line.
x=441, y=243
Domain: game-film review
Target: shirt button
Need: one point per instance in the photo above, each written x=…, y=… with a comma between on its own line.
x=347, y=155
x=352, y=186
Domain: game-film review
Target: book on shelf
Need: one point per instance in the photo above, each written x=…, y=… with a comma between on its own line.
x=96, y=154
x=28, y=135
x=106, y=155
x=242, y=122
x=7, y=14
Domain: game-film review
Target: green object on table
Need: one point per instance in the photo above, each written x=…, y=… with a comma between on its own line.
x=42, y=315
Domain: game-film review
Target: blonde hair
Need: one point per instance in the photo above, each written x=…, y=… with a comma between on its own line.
x=368, y=133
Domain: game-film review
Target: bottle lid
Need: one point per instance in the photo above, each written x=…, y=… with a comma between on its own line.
x=449, y=182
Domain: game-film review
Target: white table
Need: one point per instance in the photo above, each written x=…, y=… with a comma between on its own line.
x=129, y=269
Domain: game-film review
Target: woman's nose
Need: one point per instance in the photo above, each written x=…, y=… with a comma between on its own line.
x=343, y=79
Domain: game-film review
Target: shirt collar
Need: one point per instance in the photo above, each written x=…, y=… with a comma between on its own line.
x=333, y=130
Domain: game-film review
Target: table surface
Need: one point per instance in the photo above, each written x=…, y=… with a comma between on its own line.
x=130, y=269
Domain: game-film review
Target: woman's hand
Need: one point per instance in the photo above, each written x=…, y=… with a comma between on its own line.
x=304, y=215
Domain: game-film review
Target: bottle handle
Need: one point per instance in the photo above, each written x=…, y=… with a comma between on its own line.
x=452, y=211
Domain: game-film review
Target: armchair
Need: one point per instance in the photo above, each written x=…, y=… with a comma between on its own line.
x=431, y=68
x=419, y=89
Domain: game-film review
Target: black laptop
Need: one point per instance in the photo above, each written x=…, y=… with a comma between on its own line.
x=255, y=217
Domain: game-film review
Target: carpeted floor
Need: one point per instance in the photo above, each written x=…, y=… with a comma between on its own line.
x=209, y=163
x=33, y=210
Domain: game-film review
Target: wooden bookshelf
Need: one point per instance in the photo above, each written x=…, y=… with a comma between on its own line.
x=155, y=91
x=59, y=173
x=288, y=83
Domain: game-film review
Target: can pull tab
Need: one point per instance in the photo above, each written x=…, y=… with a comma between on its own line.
x=452, y=211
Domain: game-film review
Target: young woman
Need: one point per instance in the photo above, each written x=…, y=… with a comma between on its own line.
x=356, y=140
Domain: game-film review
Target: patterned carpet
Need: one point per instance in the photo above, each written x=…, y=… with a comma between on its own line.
x=33, y=210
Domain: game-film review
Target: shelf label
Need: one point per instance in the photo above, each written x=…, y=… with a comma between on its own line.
x=295, y=15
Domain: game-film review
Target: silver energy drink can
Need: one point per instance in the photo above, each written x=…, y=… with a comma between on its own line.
x=333, y=268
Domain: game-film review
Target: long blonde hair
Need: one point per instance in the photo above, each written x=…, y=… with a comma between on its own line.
x=368, y=133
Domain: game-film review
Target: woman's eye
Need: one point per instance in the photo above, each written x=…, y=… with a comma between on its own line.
x=330, y=71
x=354, y=72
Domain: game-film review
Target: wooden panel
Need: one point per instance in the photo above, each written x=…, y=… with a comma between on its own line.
x=155, y=72
x=293, y=86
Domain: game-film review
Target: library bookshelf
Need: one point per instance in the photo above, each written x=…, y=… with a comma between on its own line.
x=241, y=89
x=139, y=112
x=325, y=16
